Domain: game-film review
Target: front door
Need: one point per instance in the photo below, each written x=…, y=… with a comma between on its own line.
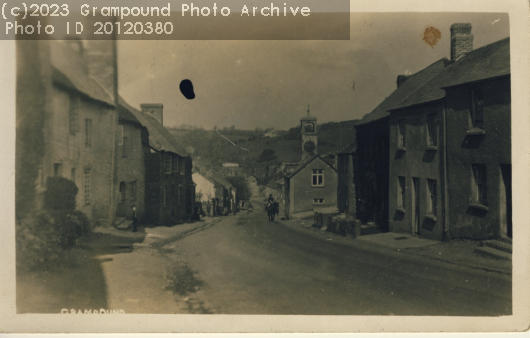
x=506, y=200
x=416, y=206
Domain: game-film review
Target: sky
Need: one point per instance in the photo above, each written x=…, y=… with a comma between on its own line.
x=269, y=84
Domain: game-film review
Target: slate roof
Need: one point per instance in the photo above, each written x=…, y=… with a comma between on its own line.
x=407, y=88
x=160, y=138
x=489, y=61
x=304, y=163
x=221, y=180
x=69, y=70
x=350, y=148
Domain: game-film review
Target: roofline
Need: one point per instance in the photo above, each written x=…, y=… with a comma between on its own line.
x=415, y=105
x=478, y=81
x=373, y=121
x=302, y=166
x=73, y=88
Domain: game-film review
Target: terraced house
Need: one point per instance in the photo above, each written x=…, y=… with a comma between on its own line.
x=66, y=122
x=450, y=144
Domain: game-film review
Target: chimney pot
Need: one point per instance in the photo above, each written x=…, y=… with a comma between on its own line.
x=154, y=109
x=461, y=40
x=401, y=79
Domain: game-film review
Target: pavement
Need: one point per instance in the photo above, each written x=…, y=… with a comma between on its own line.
x=459, y=252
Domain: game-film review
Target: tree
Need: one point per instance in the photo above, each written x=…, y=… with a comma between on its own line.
x=243, y=192
x=267, y=156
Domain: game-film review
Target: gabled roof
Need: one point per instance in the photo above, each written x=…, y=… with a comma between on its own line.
x=305, y=163
x=350, y=148
x=69, y=70
x=221, y=180
x=406, y=89
x=489, y=61
x=159, y=137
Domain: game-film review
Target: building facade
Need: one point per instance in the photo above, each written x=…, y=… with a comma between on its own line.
x=313, y=184
x=169, y=188
x=130, y=151
x=416, y=178
x=479, y=157
x=450, y=154
x=66, y=124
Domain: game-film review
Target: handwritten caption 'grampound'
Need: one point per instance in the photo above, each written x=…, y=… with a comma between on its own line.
x=92, y=312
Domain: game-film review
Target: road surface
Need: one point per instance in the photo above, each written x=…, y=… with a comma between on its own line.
x=245, y=265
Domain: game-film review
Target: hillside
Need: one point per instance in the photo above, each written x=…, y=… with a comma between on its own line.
x=210, y=149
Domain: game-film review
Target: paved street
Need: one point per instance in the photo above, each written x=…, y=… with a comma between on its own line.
x=246, y=265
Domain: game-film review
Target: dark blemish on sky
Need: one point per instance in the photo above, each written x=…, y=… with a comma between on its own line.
x=186, y=88
x=431, y=36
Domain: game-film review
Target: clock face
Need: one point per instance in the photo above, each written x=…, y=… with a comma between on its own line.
x=309, y=146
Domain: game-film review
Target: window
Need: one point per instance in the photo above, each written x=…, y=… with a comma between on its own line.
x=431, y=126
x=309, y=127
x=479, y=184
x=182, y=165
x=88, y=133
x=133, y=191
x=120, y=135
x=179, y=195
x=124, y=147
x=72, y=174
x=86, y=185
x=317, y=178
x=318, y=201
x=176, y=163
x=477, y=109
x=167, y=164
x=401, y=192
x=432, y=206
x=122, y=191
x=402, y=134
x=57, y=169
x=166, y=195
x=74, y=114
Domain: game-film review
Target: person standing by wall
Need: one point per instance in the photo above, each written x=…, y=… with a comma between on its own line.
x=135, y=218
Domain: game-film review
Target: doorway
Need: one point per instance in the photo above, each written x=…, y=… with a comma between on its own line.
x=416, y=206
x=505, y=200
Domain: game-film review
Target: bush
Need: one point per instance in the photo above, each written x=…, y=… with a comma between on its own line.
x=60, y=194
x=45, y=236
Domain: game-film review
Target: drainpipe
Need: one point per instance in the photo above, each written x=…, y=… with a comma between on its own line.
x=446, y=235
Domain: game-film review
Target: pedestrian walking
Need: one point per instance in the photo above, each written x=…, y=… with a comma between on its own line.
x=208, y=208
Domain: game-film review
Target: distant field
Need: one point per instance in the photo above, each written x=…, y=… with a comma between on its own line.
x=209, y=146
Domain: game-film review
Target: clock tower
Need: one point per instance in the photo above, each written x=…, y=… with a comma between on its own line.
x=308, y=126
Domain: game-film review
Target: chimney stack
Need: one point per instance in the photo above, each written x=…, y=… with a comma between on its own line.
x=154, y=109
x=102, y=64
x=401, y=79
x=461, y=40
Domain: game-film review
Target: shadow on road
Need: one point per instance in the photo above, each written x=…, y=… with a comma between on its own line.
x=76, y=282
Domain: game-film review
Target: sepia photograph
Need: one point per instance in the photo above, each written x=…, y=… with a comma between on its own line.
x=358, y=165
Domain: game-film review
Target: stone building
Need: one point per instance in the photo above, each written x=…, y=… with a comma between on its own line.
x=449, y=154
x=169, y=188
x=373, y=142
x=347, y=169
x=66, y=123
x=132, y=140
x=313, y=185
